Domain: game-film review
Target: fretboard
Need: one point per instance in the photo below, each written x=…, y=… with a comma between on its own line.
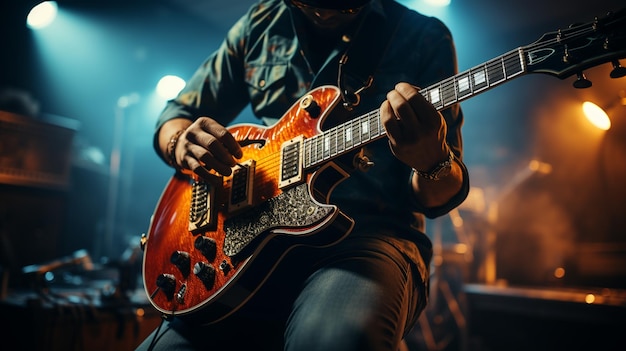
x=359, y=131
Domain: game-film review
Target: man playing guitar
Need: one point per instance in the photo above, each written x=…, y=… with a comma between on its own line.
x=358, y=153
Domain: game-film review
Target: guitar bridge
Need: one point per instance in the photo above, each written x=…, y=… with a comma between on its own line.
x=241, y=187
x=202, y=213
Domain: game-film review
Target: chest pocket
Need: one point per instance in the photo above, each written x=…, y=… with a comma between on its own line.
x=261, y=78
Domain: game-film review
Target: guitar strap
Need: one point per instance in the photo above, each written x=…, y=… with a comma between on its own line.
x=369, y=45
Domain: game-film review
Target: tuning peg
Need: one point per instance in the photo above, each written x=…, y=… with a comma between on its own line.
x=581, y=81
x=618, y=71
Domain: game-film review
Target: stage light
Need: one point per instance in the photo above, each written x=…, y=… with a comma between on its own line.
x=436, y=8
x=42, y=15
x=439, y=3
x=559, y=272
x=596, y=115
x=169, y=86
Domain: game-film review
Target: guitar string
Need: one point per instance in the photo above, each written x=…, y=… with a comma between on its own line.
x=446, y=86
x=273, y=161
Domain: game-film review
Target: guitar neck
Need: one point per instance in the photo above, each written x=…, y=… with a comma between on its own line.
x=476, y=80
x=364, y=129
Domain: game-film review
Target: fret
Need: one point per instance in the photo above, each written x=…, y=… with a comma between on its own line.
x=312, y=151
x=332, y=135
x=348, y=136
x=514, y=63
x=326, y=147
x=319, y=147
x=449, y=92
x=434, y=96
x=307, y=153
x=365, y=128
x=354, y=125
x=495, y=72
x=314, y=158
x=463, y=85
x=374, y=123
x=479, y=79
x=341, y=141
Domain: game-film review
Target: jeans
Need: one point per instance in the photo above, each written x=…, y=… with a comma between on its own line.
x=362, y=295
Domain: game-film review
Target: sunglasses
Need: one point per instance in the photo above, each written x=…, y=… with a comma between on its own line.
x=305, y=7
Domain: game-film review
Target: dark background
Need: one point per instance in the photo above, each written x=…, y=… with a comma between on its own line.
x=100, y=51
x=495, y=284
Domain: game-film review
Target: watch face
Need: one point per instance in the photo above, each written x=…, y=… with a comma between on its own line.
x=443, y=171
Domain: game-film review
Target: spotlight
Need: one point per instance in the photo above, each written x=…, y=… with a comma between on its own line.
x=169, y=86
x=438, y=3
x=596, y=115
x=42, y=15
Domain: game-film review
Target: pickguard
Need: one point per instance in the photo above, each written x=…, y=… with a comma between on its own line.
x=292, y=208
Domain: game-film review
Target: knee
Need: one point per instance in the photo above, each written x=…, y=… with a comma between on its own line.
x=341, y=333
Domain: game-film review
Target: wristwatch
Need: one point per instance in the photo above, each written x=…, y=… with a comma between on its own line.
x=441, y=170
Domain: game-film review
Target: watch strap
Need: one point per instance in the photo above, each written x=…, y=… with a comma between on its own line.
x=436, y=172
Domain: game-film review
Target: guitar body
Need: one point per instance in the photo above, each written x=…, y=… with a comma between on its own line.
x=208, y=251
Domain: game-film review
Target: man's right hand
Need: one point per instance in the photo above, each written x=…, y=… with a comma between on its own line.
x=205, y=145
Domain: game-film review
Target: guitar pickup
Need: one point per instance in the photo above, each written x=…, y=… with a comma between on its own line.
x=241, y=188
x=290, y=162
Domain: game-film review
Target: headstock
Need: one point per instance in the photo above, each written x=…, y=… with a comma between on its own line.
x=570, y=51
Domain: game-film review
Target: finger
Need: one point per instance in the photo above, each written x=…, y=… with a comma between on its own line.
x=423, y=109
x=411, y=94
x=193, y=165
x=211, y=162
x=199, y=169
x=232, y=145
x=403, y=111
x=199, y=157
x=204, y=147
x=219, y=167
x=224, y=136
x=390, y=123
x=204, y=173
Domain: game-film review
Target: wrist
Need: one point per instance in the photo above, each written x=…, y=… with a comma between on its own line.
x=170, y=150
x=440, y=170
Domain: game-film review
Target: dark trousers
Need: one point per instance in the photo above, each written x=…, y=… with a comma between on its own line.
x=361, y=294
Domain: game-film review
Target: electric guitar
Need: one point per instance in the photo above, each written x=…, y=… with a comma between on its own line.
x=213, y=242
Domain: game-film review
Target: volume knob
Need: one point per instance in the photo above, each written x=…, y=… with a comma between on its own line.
x=181, y=260
x=167, y=284
x=206, y=273
x=207, y=246
x=309, y=104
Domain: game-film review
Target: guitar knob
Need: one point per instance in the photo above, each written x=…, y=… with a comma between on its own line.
x=181, y=260
x=143, y=241
x=310, y=105
x=207, y=246
x=581, y=81
x=206, y=273
x=167, y=284
x=225, y=267
x=363, y=163
x=618, y=71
